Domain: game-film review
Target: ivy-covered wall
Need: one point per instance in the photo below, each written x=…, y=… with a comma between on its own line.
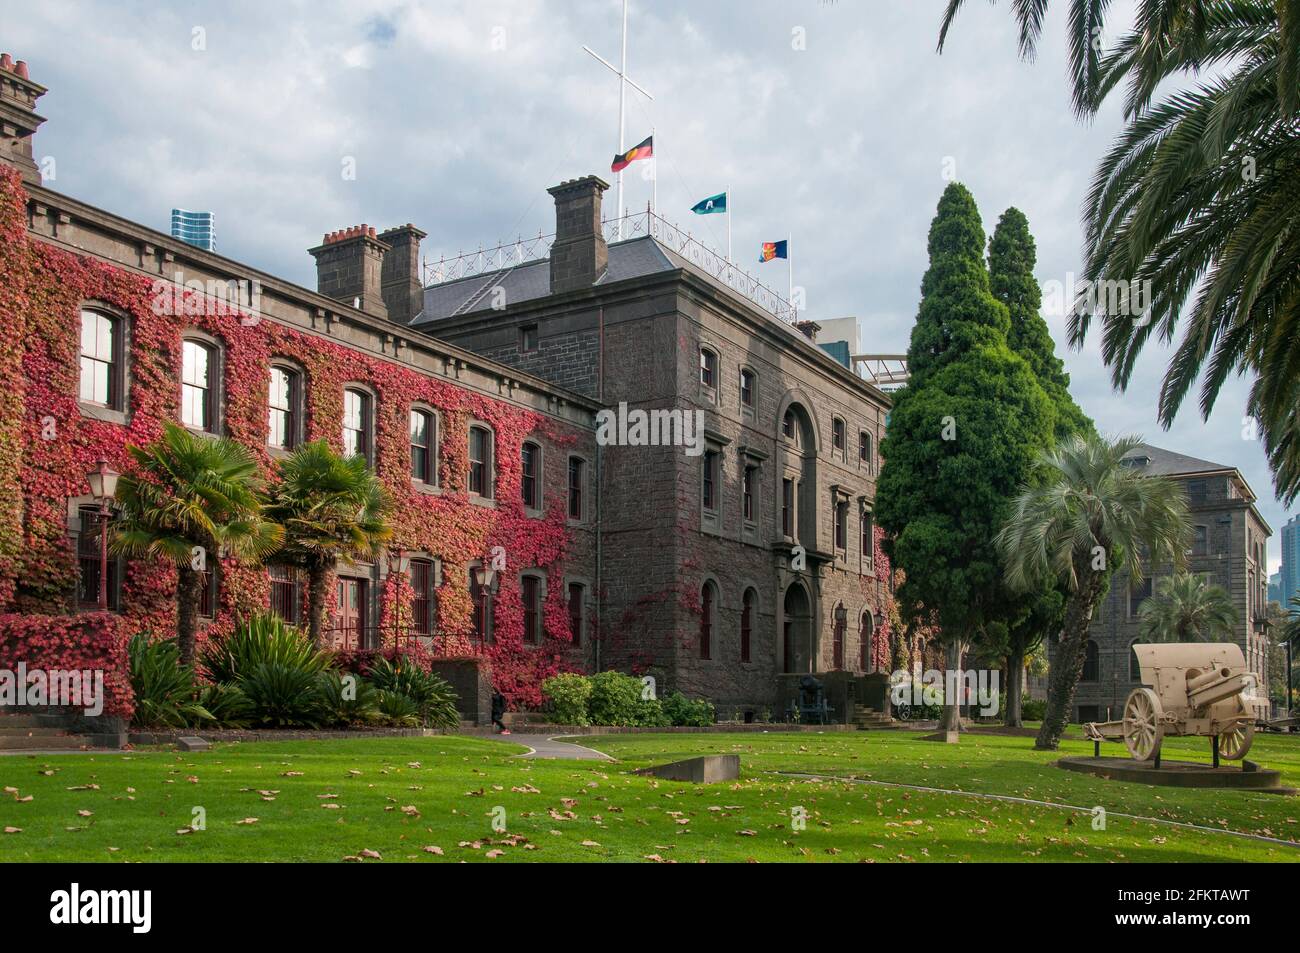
x=47, y=446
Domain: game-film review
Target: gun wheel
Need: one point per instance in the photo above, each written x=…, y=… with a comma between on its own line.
x=1143, y=731
x=1234, y=744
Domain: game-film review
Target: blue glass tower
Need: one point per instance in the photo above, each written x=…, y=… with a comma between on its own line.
x=195, y=228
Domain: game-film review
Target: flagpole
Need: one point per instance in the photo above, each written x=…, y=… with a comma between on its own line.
x=622, y=96
x=728, y=195
x=654, y=189
x=789, y=260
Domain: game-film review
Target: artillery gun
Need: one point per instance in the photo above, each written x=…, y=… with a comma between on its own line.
x=1188, y=688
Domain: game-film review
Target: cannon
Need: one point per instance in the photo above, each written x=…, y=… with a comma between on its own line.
x=1188, y=688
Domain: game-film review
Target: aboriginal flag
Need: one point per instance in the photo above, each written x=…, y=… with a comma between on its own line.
x=772, y=250
x=642, y=150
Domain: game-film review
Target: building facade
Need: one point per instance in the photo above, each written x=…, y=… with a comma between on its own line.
x=1289, y=581
x=1229, y=549
x=737, y=551
x=195, y=228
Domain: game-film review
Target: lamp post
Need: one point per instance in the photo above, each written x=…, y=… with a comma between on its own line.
x=103, y=487
x=485, y=576
x=402, y=564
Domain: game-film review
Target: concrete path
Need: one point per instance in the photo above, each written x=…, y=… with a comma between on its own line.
x=541, y=746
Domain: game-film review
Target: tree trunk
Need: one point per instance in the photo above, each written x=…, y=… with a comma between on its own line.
x=952, y=706
x=1067, y=664
x=189, y=587
x=317, y=593
x=1015, y=687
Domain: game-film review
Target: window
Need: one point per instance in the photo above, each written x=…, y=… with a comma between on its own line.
x=711, y=479
x=841, y=524
x=1138, y=595
x=787, y=507
x=530, y=456
x=789, y=426
x=577, y=602
x=356, y=423
x=481, y=616
x=867, y=533
x=528, y=337
x=747, y=493
x=864, y=449
x=1134, y=669
x=1091, y=662
x=424, y=447
x=286, y=593
x=424, y=602
x=747, y=622
x=101, y=360
x=197, y=391
x=89, y=555
x=577, y=482
x=1196, y=491
x=708, y=368
x=282, y=408
x=530, y=590
x=1200, y=541
x=866, y=632
x=708, y=602
x=837, y=636
x=210, y=593
x=480, y=462
x=838, y=438
x=746, y=388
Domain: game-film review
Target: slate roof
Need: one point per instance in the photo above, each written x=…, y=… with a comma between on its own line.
x=1168, y=463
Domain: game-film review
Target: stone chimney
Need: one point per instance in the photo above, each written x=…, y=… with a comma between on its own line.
x=349, y=268
x=402, y=288
x=808, y=329
x=18, y=118
x=579, y=255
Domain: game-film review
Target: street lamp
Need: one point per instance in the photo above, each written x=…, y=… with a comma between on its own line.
x=485, y=576
x=103, y=487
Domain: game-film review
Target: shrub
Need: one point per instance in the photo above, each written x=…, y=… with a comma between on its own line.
x=434, y=700
x=283, y=695
x=398, y=710
x=650, y=714
x=164, y=689
x=227, y=704
x=1032, y=709
x=569, y=695
x=353, y=702
x=681, y=710
x=261, y=638
x=615, y=699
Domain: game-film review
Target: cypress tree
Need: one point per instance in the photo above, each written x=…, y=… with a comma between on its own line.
x=962, y=438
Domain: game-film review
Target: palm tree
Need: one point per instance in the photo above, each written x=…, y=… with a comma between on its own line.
x=192, y=500
x=1185, y=609
x=331, y=508
x=1196, y=202
x=1085, y=514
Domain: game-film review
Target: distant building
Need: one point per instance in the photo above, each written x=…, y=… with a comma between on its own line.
x=194, y=228
x=1229, y=549
x=1290, y=581
x=1275, y=588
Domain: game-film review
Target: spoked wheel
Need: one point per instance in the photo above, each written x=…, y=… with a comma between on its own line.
x=1234, y=744
x=1143, y=731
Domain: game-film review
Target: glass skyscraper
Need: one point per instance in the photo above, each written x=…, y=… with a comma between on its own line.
x=1290, y=561
x=196, y=228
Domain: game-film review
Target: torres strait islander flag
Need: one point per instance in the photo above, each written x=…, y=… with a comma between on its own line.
x=645, y=149
x=772, y=250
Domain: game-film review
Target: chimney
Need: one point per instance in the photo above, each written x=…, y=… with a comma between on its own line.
x=349, y=265
x=400, y=276
x=808, y=329
x=18, y=118
x=579, y=256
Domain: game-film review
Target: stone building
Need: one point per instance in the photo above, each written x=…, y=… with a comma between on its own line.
x=725, y=558
x=1229, y=549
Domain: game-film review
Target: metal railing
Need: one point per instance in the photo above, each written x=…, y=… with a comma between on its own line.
x=510, y=255
x=350, y=638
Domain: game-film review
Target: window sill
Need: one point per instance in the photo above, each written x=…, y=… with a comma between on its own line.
x=106, y=414
x=428, y=489
x=486, y=501
x=533, y=513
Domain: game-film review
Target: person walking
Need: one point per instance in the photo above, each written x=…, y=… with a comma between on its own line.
x=499, y=711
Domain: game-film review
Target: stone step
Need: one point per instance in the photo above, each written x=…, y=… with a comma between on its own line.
x=42, y=742
x=9, y=718
x=8, y=730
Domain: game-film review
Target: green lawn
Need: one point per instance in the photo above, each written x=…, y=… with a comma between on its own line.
x=397, y=796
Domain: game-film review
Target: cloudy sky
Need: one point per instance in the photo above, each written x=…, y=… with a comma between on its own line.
x=832, y=121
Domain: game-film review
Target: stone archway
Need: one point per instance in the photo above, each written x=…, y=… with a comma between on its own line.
x=797, y=649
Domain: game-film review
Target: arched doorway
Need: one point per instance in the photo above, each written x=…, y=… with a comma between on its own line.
x=797, y=631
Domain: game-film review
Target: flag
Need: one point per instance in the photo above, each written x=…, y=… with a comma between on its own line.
x=713, y=204
x=772, y=250
x=645, y=149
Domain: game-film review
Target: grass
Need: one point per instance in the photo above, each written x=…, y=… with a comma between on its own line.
x=129, y=807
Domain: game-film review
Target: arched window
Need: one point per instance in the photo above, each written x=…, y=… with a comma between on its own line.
x=708, y=605
x=866, y=633
x=283, y=401
x=577, y=488
x=708, y=368
x=480, y=462
x=839, y=438
x=530, y=593
x=747, y=610
x=1134, y=669
x=101, y=360
x=424, y=447
x=864, y=449
x=530, y=485
x=1091, y=662
x=198, y=386
x=748, y=389
x=790, y=426
x=424, y=600
x=358, y=417
x=577, y=604
x=841, y=624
